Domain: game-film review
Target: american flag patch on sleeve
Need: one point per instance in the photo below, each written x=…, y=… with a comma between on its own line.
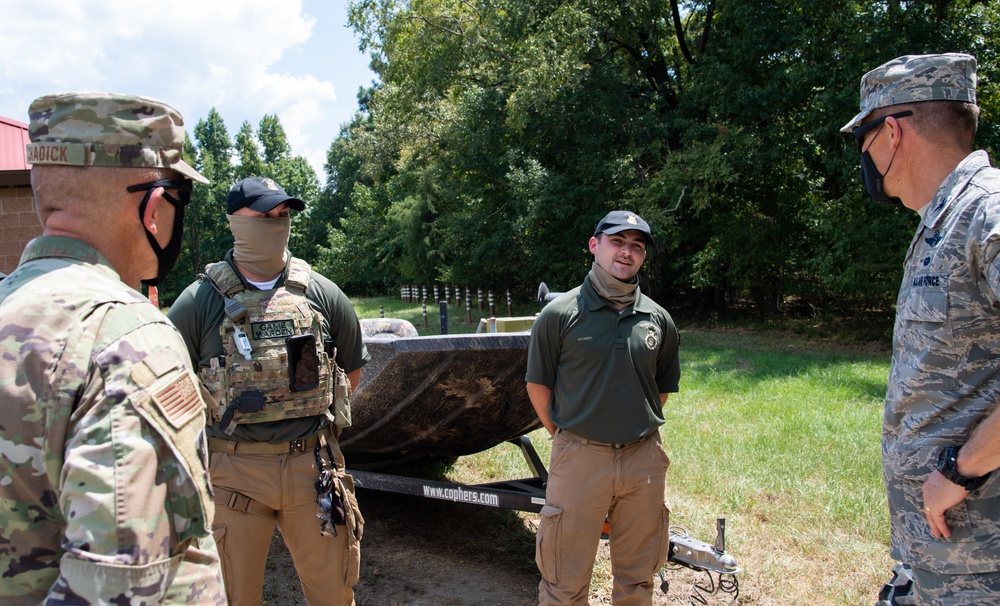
x=179, y=401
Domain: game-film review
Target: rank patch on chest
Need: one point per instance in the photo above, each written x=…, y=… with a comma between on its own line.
x=272, y=330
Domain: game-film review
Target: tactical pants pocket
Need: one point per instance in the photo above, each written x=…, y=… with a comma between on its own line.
x=664, y=547
x=547, y=543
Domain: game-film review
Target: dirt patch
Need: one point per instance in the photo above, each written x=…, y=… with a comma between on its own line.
x=423, y=552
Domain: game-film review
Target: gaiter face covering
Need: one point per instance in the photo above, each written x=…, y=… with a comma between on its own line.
x=260, y=243
x=619, y=294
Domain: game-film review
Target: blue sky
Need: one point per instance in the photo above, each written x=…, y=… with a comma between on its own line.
x=247, y=58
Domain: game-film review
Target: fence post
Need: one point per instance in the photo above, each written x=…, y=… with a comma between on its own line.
x=510, y=306
x=423, y=307
x=381, y=311
x=492, y=307
x=468, y=308
x=444, y=317
x=480, y=296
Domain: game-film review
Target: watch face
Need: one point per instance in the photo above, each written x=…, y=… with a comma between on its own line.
x=948, y=466
x=946, y=460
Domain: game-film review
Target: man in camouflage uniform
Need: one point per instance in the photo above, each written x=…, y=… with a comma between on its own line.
x=104, y=496
x=272, y=340
x=941, y=431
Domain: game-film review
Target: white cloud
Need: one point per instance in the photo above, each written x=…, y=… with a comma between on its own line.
x=193, y=54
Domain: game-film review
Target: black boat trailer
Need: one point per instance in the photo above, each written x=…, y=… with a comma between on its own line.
x=528, y=494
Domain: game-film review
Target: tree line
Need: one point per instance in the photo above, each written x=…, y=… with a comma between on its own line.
x=500, y=132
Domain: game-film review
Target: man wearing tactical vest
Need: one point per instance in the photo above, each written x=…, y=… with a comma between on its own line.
x=279, y=348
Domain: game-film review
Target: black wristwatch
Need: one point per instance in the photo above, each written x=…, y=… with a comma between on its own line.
x=947, y=464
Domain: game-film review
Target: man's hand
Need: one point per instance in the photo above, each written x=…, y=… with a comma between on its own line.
x=940, y=495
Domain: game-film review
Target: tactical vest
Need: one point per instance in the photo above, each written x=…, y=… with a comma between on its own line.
x=276, y=365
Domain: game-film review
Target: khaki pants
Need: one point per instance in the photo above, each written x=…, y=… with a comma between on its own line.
x=282, y=490
x=588, y=481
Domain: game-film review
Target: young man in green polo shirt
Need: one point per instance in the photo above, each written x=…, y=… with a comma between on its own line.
x=601, y=361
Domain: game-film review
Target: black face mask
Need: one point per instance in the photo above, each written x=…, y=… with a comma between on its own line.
x=873, y=180
x=166, y=257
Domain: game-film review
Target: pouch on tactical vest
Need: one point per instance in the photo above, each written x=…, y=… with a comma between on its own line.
x=276, y=365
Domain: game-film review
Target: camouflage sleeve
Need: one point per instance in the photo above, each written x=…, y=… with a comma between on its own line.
x=990, y=247
x=133, y=488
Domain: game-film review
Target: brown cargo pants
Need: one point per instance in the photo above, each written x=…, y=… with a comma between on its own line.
x=589, y=481
x=253, y=492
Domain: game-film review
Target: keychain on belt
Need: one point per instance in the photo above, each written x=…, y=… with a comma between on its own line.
x=331, y=504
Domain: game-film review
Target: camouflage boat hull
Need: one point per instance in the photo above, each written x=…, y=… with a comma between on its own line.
x=448, y=395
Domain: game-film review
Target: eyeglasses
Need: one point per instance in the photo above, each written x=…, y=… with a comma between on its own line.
x=183, y=187
x=861, y=131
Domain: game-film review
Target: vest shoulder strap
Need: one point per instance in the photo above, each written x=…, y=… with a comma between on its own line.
x=229, y=282
x=225, y=278
x=299, y=274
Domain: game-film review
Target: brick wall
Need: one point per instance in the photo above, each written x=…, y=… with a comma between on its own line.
x=18, y=225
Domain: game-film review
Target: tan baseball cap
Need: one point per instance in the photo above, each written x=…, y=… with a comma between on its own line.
x=912, y=78
x=107, y=129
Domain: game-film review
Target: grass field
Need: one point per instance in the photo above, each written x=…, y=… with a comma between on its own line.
x=778, y=434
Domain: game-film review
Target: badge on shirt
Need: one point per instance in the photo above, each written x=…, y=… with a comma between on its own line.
x=652, y=335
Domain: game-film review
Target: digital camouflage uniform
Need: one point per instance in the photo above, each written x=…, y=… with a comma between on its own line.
x=945, y=375
x=104, y=494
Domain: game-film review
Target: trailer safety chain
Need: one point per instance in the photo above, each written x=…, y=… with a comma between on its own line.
x=708, y=559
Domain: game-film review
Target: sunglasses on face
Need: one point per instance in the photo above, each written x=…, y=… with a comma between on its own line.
x=183, y=187
x=864, y=129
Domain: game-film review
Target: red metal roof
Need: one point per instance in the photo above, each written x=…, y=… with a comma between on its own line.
x=13, y=138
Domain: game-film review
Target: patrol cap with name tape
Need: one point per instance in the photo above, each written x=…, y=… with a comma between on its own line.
x=259, y=194
x=913, y=78
x=107, y=129
x=622, y=220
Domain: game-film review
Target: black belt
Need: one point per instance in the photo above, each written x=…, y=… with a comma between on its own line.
x=587, y=441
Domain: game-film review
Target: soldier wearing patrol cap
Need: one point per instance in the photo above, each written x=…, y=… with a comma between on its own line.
x=105, y=497
x=279, y=347
x=941, y=431
x=601, y=361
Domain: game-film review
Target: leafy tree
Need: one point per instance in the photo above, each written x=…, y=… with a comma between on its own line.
x=502, y=131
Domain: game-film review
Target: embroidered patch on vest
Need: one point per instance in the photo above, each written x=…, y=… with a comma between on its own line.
x=272, y=330
x=179, y=401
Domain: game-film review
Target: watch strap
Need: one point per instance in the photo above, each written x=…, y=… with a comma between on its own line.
x=947, y=464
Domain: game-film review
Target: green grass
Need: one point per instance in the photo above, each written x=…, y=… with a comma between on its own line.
x=779, y=434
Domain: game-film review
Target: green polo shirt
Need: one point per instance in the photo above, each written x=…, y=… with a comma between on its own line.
x=606, y=370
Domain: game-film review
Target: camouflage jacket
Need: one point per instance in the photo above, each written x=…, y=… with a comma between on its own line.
x=945, y=375
x=105, y=495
